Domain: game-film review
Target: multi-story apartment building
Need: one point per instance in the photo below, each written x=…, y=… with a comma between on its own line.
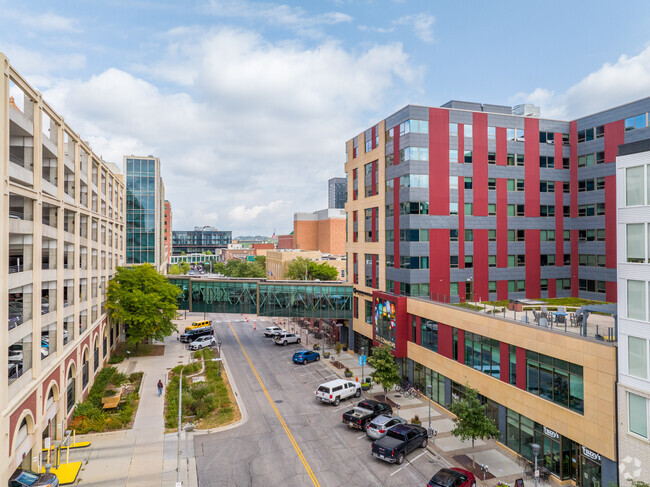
x=337, y=193
x=168, y=231
x=201, y=239
x=474, y=202
x=633, y=202
x=145, y=203
x=61, y=237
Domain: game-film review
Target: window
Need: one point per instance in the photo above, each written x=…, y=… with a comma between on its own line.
x=555, y=380
x=492, y=261
x=547, y=235
x=390, y=160
x=636, y=300
x=414, y=181
x=389, y=210
x=417, y=126
x=469, y=208
x=634, y=186
x=636, y=122
x=389, y=236
x=469, y=235
x=467, y=130
x=453, y=129
x=600, y=131
x=635, y=240
x=492, y=209
x=492, y=286
x=566, y=163
x=547, y=138
x=492, y=158
x=453, y=235
x=453, y=208
x=414, y=235
x=468, y=183
x=517, y=260
x=516, y=235
x=453, y=182
x=453, y=261
x=516, y=286
x=510, y=134
x=516, y=210
x=468, y=157
x=407, y=262
x=547, y=162
x=638, y=414
x=547, y=186
x=429, y=334
x=546, y=210
x=637, y=357
x=414, y=208
x=566, y=235
x=453, y=155
x=453, y=289
x=543, y=283
x=492, y=235
x=520, y=159
x=547, y=260
x=483, y=354
x=469, y=261
x=414, y=154
x=492, y=184
x=492, y=132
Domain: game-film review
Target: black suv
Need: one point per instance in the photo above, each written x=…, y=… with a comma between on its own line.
x=192, y=335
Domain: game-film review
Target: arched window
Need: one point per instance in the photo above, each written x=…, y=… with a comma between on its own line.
x=22, y=432
x=96, y=356
x=70, y=396
x=50, y=398
x=105, y=343
x=84, y=371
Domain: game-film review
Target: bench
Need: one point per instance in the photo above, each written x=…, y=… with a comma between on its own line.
x=113, y=401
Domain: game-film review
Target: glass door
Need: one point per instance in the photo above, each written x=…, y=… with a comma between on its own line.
x=591, y=473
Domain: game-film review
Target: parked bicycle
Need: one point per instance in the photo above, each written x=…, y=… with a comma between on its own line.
x=403, y=386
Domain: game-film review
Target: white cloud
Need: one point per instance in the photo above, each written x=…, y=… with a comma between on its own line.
x=613, y=84
x=255, y=130
x=380, y=30
x=421, y=23
x=51, y=22
x=39, y=67
x=277, y=14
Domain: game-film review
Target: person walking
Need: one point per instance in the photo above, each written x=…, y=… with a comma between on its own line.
x=160, y=388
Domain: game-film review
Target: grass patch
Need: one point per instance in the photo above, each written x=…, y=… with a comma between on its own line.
x=553, y=303
x=472, y=307
x=144, y=350
x=210, y=402
x=89, y=417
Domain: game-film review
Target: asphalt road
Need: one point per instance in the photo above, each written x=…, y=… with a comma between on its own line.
x=263, y=452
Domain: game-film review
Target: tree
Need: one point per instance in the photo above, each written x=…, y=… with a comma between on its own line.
x=296, y=269
x=323, y=271
x=185, y=267
x=386, y=372
x=219, y=268
x=471, y=420
x=183, y=252
x=174, y=269
x=208, y=252
x=144, y=300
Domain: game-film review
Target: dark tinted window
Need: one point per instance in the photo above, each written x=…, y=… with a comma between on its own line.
x=395, y=434
x=338, y=388
x=324, y=389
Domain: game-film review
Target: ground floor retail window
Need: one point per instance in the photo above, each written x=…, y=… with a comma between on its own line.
x=429, y=382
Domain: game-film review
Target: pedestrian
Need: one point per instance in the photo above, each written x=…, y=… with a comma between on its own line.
x=160, y=388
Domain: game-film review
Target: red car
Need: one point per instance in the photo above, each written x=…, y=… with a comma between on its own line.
x=452, y=477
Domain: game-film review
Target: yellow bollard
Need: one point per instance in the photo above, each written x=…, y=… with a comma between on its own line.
x=67, y=455
x=74, y=437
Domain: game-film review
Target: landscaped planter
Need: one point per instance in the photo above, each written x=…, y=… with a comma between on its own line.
x=365, y=386
x=316, y=347
x=348, y=374
x=326, y=355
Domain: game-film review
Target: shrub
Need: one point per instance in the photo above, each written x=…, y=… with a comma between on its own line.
x=101, y=381
x=116, y=359
x=118, y=378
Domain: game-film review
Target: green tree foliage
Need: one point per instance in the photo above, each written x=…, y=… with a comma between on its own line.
x=174, y=269
x=242, y=268
x=185, y=267
x=322, y=271
x=208, y=252
x=261, y=260
x=386, y=372
x=219, y=268
x=144, y=300
x=183, y=252
x=471, y=420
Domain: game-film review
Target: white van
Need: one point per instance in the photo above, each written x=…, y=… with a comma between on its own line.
x=335, y=390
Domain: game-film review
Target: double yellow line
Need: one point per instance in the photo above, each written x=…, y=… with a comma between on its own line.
x=277, y=413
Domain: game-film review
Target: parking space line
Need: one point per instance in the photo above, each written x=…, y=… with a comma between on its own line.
x=409, y=463
x=362, y=436
x=277, y=412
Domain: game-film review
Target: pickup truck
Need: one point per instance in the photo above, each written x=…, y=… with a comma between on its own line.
x=364, y=412
x=400, y=441
x=333, y=391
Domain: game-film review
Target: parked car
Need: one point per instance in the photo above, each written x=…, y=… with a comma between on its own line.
x=285, y=338
x=269, y=330
x=452, y=477
x=192, y=335
x=399, y=441
x=379, y=426
x=304, y=356
x=364, y=412
x=333, y=391
x=198, y=324
x=24, y=478
x=202, y=342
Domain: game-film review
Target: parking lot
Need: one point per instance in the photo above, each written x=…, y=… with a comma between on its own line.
x=290, y=438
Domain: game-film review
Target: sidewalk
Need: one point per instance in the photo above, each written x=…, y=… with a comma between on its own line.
x=446, y=447
x=143, y=456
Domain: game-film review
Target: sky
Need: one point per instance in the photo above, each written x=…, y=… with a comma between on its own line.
x=249, y=104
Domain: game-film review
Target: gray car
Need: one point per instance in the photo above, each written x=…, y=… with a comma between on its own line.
x=379, y=426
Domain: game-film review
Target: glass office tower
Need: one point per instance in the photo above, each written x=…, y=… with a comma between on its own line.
x=145, y=196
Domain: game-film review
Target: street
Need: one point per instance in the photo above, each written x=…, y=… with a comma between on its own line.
x=312, y=447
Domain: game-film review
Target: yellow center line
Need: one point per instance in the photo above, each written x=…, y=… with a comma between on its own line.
x=277, y=413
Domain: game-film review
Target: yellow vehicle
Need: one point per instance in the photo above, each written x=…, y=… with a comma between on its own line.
x=197, y=324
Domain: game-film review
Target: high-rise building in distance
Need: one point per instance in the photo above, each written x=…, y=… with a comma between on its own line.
x=337, y=192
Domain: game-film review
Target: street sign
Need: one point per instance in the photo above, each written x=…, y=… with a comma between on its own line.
x=536, y=474
x=362, y=360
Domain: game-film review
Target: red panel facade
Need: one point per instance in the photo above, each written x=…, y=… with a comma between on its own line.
x=460, y=351
x=521, y=368
x=30, y=405
x=531, y=186
x=573, y=138
x=480, y=170
x=614, y=136
x=438, y=200
x=374, y=271
x=504, y=362
x=445, y=340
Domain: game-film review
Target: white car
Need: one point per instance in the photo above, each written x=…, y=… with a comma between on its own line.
x=202, y=342
x=285, y=338
x=270, y=330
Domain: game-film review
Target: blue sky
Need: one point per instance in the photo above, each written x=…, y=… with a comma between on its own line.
x=249, y=104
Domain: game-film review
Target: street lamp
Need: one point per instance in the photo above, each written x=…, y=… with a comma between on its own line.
x=363, y=363
x=535, y=448
x=180, y=408
x=430, y=432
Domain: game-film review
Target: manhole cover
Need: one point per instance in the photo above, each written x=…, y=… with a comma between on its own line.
x=278, y=401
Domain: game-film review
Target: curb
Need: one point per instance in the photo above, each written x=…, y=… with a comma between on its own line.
x=240, y=405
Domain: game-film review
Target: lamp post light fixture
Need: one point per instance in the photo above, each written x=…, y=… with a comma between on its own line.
x=535, y=448
x=363, y=352
x=430, y=431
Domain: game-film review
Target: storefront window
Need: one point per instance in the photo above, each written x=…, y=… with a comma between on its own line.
x=385, y=322
x=368, y=311
x=429, y=330
x=483, y=354
x=555, y=380
x=423, y=377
